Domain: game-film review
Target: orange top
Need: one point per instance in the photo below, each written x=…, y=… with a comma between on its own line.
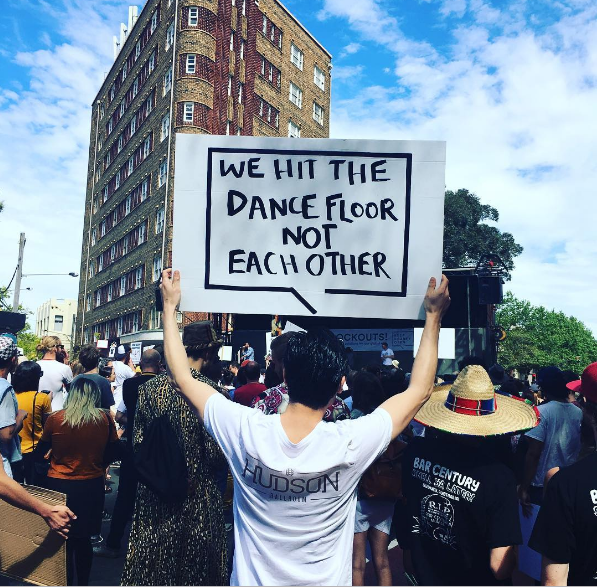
x=77, y=453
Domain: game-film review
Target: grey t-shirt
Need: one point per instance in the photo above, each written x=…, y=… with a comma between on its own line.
x=559, y=430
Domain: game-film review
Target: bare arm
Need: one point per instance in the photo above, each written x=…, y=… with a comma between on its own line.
x=57, y=517
x=502, y=561
x=553, y=573
x=195, y=392
x=531, y=463
x=404, y=406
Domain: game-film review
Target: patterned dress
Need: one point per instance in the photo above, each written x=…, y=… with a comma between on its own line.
x=182, y=543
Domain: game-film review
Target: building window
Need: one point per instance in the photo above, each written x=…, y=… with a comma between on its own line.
x=189, y=109
x=115, y=218
x=317, y=113
x=319, y=78
x=105, y=194
x=98, y=298
x=124, y=71
x=232, y=41
x=170, y=36
x=100, y=144
x=165, y=126
x=95, y=205
x=151, y=62
x=147, y=146
x=229, y=85
x=244, y=7
x=163, y=172
x=117, y=180
x=122, y=108
x=240, y=93
x=102, y=111
x=137, y=49
x=149, y=105
x=110, y=292
x=157, y=267
x=264, y=29
x=112, y=253
x=167, y=80
x=120, y=143
x=131, y=164
x=91, y=269
x=112, y=92
x=139, y=278
x=122, y=285
x=227, y=128
x=110, y=126
x=88, y=303
x=296, y=95
x=294, y=131
x=58, y=322
x=133, y=125
x=135, y=87
x=93, y=237
x=296, y=56
x=145, y=189
x=125, y=245
x=191, y=61
x=108, y=161
x=136, y=322
x=160, y=217
x=127, y=205
x=242, y=49
x=193, y=16
x=141, y=234
x=154, y=21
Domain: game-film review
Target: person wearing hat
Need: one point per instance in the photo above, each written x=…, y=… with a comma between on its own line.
x=565, y=533
x=123, y=369
x=461, y=500
x=181, y=543
x=556, y=441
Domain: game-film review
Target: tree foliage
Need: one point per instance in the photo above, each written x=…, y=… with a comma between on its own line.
x=537, y=337
x=467, y=237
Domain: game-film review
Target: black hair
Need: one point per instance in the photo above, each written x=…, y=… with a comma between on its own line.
x=271, y=377
x=241, y=377
x=471, y=360
x=252, y=371
x=314, y=364
x=104, y=370
x=227, y=377
x=6, y=363
x=385, y=343
x=26, y=377
x=89, y=357
x=393, y=382
x=212, y=367
x=373, y=368
x=367, y=392
x=552, y=383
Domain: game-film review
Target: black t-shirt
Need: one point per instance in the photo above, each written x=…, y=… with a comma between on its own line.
x=461, y=503
x=566, y=527
x=104, y=386
x=130, y=396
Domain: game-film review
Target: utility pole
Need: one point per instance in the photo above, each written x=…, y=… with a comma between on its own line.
x=15, y=302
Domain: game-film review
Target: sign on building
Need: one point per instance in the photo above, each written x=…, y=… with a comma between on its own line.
x=371, y=339
x=307, y=227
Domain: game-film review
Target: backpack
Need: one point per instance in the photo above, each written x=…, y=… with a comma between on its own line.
x=160, y=463
x=383, y=479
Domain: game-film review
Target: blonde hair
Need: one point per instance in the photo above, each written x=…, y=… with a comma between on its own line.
x=82, y=405
x=48, y=343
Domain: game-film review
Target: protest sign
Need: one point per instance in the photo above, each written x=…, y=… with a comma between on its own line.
x=136, y=351
x=303, y=227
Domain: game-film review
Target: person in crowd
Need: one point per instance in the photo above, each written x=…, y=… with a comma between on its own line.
x=387, y=355
x=233, y=368
x=565, y=533
x=247, y=353
x=373, y=516
x=127, y=485
x=586, y=387
x=76, y=368
x=275, y=400
x=181, y=543
x=294, y=476
x=89, y=357
x=123, y=369
x=78, y=437
x=57, y=376
x=25, y=382
x=11, y=417
x=461, y=500
x=246, y=393
x=556, y=441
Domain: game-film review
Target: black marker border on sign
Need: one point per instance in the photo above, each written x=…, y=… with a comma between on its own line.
x=292, y=290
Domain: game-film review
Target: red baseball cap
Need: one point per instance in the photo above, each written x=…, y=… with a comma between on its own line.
x=587, y=385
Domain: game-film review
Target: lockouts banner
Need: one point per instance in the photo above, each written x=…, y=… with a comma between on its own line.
x=307, y=226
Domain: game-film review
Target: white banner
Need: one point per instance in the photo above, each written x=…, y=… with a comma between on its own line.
x=314, y=226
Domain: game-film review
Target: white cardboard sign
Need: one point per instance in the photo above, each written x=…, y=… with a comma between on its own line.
x=311, y=226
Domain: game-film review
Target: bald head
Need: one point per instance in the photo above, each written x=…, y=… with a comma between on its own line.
x=151, y=361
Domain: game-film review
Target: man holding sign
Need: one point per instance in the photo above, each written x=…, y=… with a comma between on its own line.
x=294, y=475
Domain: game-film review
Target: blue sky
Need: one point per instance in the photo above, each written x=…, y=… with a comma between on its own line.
x=510, y=85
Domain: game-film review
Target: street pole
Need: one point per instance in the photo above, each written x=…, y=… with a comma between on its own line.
x=15, y=302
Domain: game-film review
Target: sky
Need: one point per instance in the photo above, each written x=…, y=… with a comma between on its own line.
x=510, y=86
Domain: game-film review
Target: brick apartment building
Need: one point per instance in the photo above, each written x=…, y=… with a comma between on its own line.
x=245, y=67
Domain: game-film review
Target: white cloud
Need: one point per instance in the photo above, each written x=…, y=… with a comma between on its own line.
x=518, y=113
x=44, y=141
x=351, y=49
x=347, y=72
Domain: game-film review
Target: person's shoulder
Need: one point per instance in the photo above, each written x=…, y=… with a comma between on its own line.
x=584, y=470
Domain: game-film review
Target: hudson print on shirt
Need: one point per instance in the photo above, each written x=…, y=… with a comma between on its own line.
x=290, y=485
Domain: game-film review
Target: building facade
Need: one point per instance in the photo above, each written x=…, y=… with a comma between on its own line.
x=236, y=67
x=57, y=317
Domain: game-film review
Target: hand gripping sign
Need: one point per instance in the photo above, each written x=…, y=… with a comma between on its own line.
x=309, y=226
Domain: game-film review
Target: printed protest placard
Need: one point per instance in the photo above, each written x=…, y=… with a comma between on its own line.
x=304, y=227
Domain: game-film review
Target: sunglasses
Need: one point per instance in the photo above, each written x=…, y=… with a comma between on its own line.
x=60, y=346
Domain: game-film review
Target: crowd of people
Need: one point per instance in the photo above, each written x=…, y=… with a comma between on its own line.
x=236, y=475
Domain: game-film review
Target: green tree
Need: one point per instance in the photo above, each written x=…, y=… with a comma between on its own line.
x=467, y=238
x=537, y=337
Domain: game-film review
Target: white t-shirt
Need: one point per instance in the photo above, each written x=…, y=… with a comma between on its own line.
x=559, y=430
x=55, y=376
x=122, y=372
x=294, y=504
x=387, y=356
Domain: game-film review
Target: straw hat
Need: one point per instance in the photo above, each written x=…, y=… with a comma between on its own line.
x=470, y=406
